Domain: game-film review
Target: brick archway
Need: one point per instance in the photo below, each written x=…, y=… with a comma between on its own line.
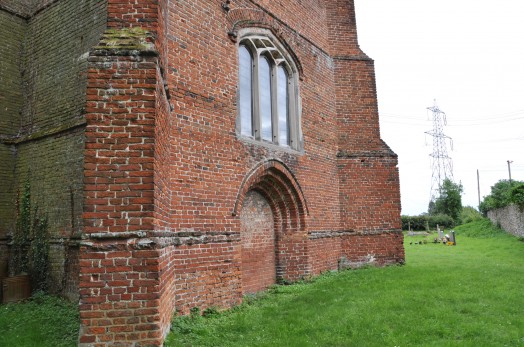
x=272, y=181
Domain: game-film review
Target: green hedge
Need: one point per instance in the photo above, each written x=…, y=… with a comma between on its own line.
x=517, y=195
x=421, y=223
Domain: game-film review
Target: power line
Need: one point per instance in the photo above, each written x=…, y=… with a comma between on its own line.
x=499, y=116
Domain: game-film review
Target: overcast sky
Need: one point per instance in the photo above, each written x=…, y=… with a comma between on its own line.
x=469, y=56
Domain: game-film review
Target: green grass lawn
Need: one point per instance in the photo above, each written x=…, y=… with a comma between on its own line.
x=465, y=295
x=41, y=321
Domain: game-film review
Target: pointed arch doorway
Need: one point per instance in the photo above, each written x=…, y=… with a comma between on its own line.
x=273, y=235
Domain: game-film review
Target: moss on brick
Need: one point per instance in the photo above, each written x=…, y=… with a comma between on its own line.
x=134, y=38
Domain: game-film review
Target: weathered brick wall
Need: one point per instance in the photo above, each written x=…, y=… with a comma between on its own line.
x=21, y=8
x=207, y=271
x=40, y=5
x=47, y=117
x=7, y=191
x=120, y=294
x=258, y=244
x=342, y=29
x=12, y=31
x=119, y=197
x=119, y=152
x=368, y=174
x=166, y=179
x=293, y=14
x=206, y=90
x=378, y=249
x=163, y=126
x=331, y=251
x=510, y=218
x=25, y=8
x=167, y=284
x=325, y=252
x=142, y=13
x=369, y=194
x=58, y=41
x=56, y=192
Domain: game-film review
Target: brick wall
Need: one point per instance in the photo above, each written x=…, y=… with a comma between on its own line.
x=164, y=183
x=12, y=30
x=56, y=192
x=57, y=43
x=25, y=8
x=119, y=152
x=119, y=291
x=143, y=13
x=258, y=244
x=325, y=252
x=43, y=137
x=119, y=188
x=378, y=249
x=291, y=13
x=369, y=195
x=207, y=271
x=20, y=8
x=7, y=191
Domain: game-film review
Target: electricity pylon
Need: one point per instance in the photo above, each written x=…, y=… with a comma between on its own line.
x=441, y=163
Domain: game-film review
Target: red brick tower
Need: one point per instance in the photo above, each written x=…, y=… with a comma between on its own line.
x=229, y=146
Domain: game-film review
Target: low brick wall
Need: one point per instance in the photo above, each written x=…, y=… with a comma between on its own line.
x=510, y=218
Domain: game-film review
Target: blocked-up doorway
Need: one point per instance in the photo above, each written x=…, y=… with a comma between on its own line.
x=258, y=244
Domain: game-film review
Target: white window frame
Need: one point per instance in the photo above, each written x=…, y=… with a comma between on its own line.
x=261, y=43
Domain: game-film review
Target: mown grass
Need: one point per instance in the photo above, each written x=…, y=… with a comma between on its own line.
x=464, y=295
x=42, y=321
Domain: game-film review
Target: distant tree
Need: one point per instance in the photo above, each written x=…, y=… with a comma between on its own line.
x=517, y=195
x=469, y=214
x=450, y=200
x=432, y=208
x=501, y=195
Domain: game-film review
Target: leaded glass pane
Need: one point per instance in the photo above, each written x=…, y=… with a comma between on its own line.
x=283, y=107
x=245, y=91
x=264, y=77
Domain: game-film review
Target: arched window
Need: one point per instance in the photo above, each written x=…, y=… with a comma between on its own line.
x=268, y=92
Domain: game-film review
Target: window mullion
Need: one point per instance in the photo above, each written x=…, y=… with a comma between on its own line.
x=274, y=103
x=292, y=115
x=256, y=98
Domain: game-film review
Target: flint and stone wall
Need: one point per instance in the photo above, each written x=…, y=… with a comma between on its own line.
x=510, y=218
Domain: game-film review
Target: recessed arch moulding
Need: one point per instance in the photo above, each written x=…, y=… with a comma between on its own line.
x=275, y=182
